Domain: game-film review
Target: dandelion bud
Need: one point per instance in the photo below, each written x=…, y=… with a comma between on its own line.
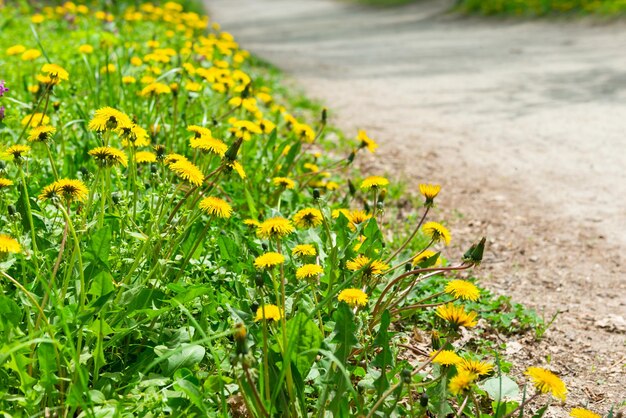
x=435, y=340
x=316, y=194
x=146, y=185
x=408, y=267
x=154, y=169
x=351, y=188
x=351, y=157
x=231, y=153
x=424, y=400
x=259, y=280
x=115, y=197
x=56, y=106
x=475, y=253
x=405, y=374
x=83, y=171
x=382, y=195
x=240, y=339
x=246, y=91
x=3, y=165
x=324, y=115
x=264, y=246
x=380, y=206
x=11, y=210
x=160, y=152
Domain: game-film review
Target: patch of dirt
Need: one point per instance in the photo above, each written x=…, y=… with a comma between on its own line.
x=522, y=123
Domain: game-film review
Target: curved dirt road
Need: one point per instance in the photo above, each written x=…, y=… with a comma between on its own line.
x=524, y=125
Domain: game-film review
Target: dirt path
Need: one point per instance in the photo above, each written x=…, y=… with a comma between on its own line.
x=523, y=124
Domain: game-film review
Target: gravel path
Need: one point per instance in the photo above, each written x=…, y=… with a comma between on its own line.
x=524, y=125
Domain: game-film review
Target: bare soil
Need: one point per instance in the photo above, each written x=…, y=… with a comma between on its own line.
x=522, y=123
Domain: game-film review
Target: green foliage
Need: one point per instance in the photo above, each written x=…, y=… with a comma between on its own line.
x=531, y=8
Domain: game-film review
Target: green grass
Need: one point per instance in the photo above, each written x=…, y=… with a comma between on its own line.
x=533, y=8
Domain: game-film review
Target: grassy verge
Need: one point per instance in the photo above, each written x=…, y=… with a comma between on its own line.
x=181, y=235
x=532, y=8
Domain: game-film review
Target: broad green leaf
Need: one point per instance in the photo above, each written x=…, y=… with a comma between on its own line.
x=384, y=358
x=187, y=355
x=307, y=338
x=101, y=284
x=46, y=359
x=500, y=388
x=100, y=245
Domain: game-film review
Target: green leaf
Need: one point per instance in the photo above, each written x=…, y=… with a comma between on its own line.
x=500, y=388
x=101, y=284
x=47, y=365
x=384, y=358
x=307, y=339
x=344, y=337
x=10, y=314
x=100, y=246
x=187, y=355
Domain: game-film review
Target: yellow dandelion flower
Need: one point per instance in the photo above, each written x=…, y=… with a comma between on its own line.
x=461, y=382
x=276, y=227
x=215, y=206
x=244, y=129
x=267, y=126
x=268, y=260
x=36, y=119
x=235, y=165
x=437, y=232
x=17, y=152
x=547, y=382
x=357, y=217
x=353, y=297
x=285, y=182
x=68, y=189
x=109, y=156
x=268, y=312
x=85, y=49
x=303, y=250
x=199, y=131
x=55, y=72
x=174, y=158
x=429, y=191
x=369, y=266
x=366, y=141
x=4, y=183
x=155, y=89
x=9, y=245
x=108, y=119
x=463, y=289
x=304, y=132
x=143, y=157
x=31, y=55
x=212, y=145
x=331, y=186
x=582, y=413
x=188, y=172
x=108, y=69
x=446, y=357
x=193, y=86
x=15, y=50
x=374, y=182
x=456, y=315
x=129, y=79
x=309, y=270
x=251, y=222
x=37, y=18
x=41, y=133
x=308, y=218
x=313, y=168
x=477, y=367
x=135, y=135
x=424, y=255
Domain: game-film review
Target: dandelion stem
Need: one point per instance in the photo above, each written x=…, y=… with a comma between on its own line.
x=410, y=238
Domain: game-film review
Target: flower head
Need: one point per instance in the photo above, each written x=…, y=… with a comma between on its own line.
x=424, y=255
x=370, y=267
x=188, y=172
x=456, y=316
x=173, y=158
x=109, y=156
x=35, y=119
x=108, y=119
x=9, y=245
x=308, y=271
x=374, y=182
x=68, y=189
x=17, y=151
x=446, y=357
x=353, y=297
x=582, y=413
x=56, y=73
x=308, y=218
x=357, y=217
x=366, y=141
x=199, y=131
x=285, y=182
x=143, y=157
x=437, y=232
x=235, y=165
x=268, y=312
x=215, y=206
x=244, y=129
x=4, y=183
x=545, y=381
x=276, y=227
x=251, y=222
x=3, y=89
x=134, y=134
x=269, y=260
x=477, y=367
x=155, y=89
x=461, y=382
x=429, y=191
x=463, y=289
x=41, y=133
x=208, y=144
x=303, y=250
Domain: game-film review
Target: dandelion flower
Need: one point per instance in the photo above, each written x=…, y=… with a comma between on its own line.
x=17, y=152
x=235, y=165
x=545, y=381
x=477, y=367
x=456, y=315
x=461, y=382
x=251, y=222
x=285, y=182
x=212, y=145
x=135, y=135
x=9, y=245
x=244, y=129
x=308, y=271
x=446, y=357
x=108, y=118
x=424, y=255
x=374, y=182
x=68, y=189
x=215, y=206
x=174, y=158
x=36, y=119
x=268, y=260
x=308, y=218
x=109, y=156
x=276, y=227
x=429, y=191
x=4, y=183
x=85, y=49
x=15, y=50
x=268, y=312
x=357, y=217
x=155, y=89
x=303, y=250
x=55, y=72
x=41, y=133
x=142, y=157
x=311, y=167
x=366, y=141
x=353, y=297
x=437, y=232
x=582, y=413
x=188, y=172
x=369, y=266
x=31, y=55
x=463, y=289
